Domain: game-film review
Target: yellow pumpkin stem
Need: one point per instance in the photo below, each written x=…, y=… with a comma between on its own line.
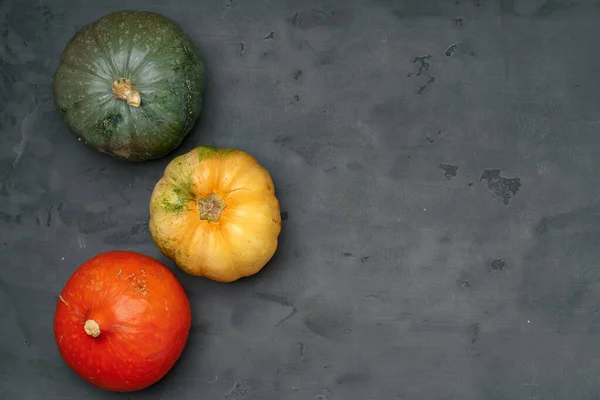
x=123, y=89
x=210, y=208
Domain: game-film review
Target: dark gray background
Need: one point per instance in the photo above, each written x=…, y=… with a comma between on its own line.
x=439, y=163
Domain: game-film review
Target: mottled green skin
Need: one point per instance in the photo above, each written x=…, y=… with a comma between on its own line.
x=163, y=65
x=180, y=182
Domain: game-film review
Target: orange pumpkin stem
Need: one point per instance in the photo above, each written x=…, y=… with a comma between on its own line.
x=210, y=208
x=92, y=328
x=123, y=89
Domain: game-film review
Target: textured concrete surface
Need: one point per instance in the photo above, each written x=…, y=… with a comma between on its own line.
x=438, y=165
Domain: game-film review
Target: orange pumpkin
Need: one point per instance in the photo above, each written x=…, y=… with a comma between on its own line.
x=215, y=214
x=122, y=321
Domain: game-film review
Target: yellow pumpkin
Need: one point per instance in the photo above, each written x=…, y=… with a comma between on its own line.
x=215, y=214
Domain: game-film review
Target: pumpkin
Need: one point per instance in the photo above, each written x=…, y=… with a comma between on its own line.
x=122, y=321
x=130, y=84
x=215, y=214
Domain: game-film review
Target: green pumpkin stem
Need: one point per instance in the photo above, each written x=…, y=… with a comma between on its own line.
x=123, y=89
x=210, y=208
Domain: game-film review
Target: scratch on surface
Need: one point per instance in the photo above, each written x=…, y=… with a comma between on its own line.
x=423, y=64
x=121, y=327
x=19, y=315
x=240, y=390
x=279, y=300
x=423, y=69
x=423, y=87
x=27, y=126
x=63, y=300
x=295, y=99
x=533, y=381
x=237, y=189
x=49, y=218
x=504, y=47
x=451, y=50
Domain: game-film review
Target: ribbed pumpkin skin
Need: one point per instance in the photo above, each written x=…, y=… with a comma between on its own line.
x=242, y=238
x=163, y=65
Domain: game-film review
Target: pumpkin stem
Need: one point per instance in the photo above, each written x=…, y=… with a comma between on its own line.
x=92, y=328
x=123, y=89
x=211, y=207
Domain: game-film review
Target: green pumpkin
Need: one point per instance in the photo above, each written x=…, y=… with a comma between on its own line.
x=130, y=84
